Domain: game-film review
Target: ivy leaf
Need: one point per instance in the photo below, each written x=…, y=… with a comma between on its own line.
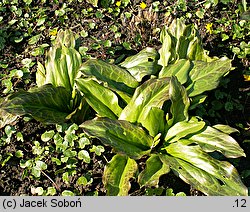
x=41, y=165
x=98, y=150
x=34, y=39
x=93, y=2
x=82, y=181
x=46, y=136
x=67, y=193
x=82, y=142
x=117, y=174
x=41, y=21
x=36, y=172
x=84, y=155
x=51, y=191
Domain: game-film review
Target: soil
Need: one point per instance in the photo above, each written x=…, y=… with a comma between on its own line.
x=12, y=180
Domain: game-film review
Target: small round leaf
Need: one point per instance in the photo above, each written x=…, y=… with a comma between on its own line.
x=84, y=155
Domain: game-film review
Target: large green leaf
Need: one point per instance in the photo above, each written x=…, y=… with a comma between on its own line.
x=62, y=67
x=124, y=137
x=142, y=64
x=212, y=139
x=152, y=93
x=197, y=100
x=180, y=101
x=205, y=182
x=40, y=74
x=62, y=64
x=180, y=41
x=115, y=76
x=65, y=38
x=225, y=128
x=47, y=104
x=225, y=173
x=180, y=69
x=154, y=122
x=100, y=98
x=183, y=129
x=117, y=174
x=167, y=50
x=6, y=118
x=205, y=76
x=155, y=168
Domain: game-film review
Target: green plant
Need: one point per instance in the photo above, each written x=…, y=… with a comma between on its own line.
x=55, y=94
x=140, y=118
x=61, y=150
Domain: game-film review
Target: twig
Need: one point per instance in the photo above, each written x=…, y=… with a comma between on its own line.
x=56, y=186
x=244, y=89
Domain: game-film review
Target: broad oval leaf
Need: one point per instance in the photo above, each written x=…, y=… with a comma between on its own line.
x=154, y=122
x=155, y=168
x=115, y=76
x=124, y=137
x=204, y=182
x=117, y=174
x=167, y=50
x=196, y=100
x=6, y=118
x=62, y=67
x=183, y=129
x=152, y=93
x=142, y=64
x=180, y=69
x=212, y=139
x=225, y=128
x=40, y=74
x=221, y=170
x=180, y=41
x=47, y=104
x=180, y=101
x=100, y=98
x=205, y=76
x=65, y=38
x=62, y=62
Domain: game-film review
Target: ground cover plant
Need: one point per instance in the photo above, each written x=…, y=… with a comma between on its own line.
x=142, y=108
